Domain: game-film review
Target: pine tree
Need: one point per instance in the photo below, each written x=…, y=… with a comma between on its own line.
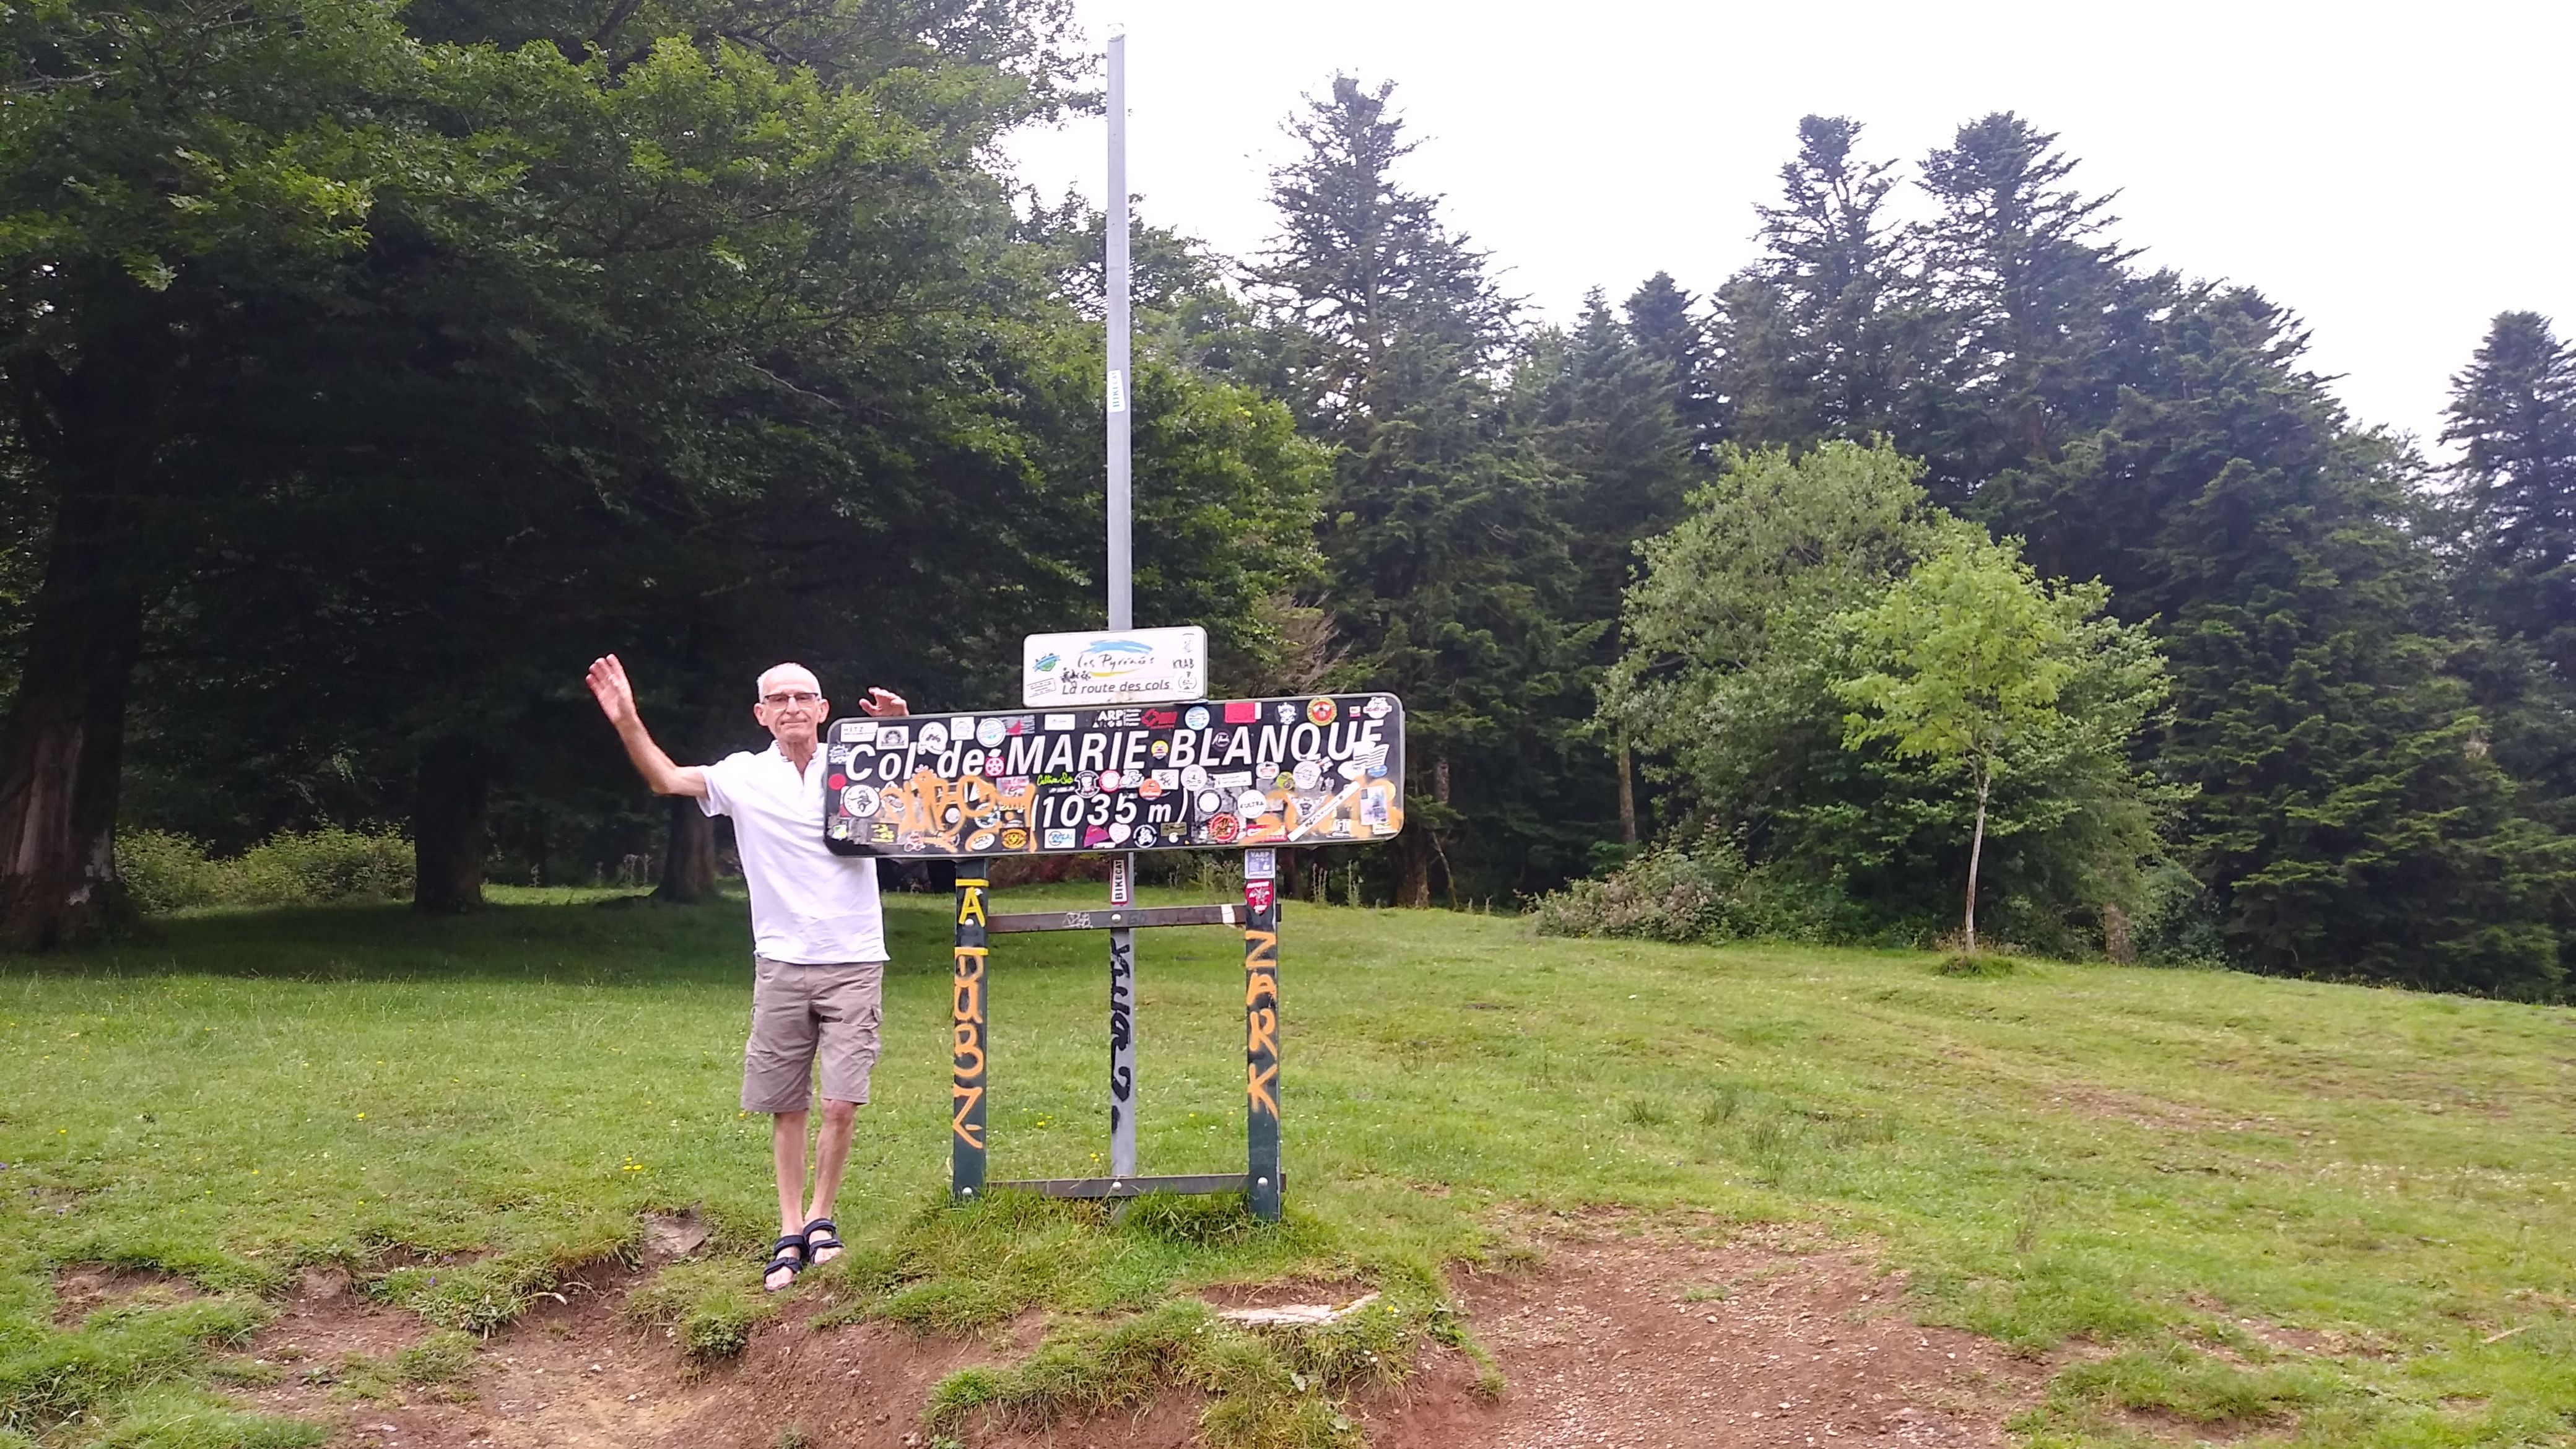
x=1844, y=269
x=1664, y=320
x=1821, y=338
x=2039, y=324
x=2352, y=818
x=1606, y=411
x=1448, y=568
x=2513, y=413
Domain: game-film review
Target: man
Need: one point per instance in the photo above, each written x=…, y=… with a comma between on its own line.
x=818, y=937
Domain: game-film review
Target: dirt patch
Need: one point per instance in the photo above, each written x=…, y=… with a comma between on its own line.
x=84, y=1288
x=1617, y=1335
x=674, y=1235
x=2138, y=1111
x=2279, y=1338
x=1273, y=1295
x=569, y=1372
x=1651, y=1338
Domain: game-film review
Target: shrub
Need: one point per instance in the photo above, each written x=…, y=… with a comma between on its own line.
x=309, y=867
x=1707, y=894
x=167, y=872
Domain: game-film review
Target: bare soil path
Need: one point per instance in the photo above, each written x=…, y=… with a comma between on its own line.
x=1615, y=1335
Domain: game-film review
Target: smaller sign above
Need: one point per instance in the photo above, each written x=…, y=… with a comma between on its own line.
x=1122, y=666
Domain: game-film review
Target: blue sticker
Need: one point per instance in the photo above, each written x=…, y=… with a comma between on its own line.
x=1197, y=718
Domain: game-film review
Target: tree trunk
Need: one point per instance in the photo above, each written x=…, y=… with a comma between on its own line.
x=1413, y=869
x=1976, y=848
x=447, y=826
x=689, y=860
x=1627, y=798
x=2118, y=942
x=64, y=739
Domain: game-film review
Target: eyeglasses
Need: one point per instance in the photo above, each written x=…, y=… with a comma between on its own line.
x=801, y=696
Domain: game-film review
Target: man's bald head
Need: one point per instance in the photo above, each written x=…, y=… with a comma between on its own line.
x=791, y=707
x=786, y=676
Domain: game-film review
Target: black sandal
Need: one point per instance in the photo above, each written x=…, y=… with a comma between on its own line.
x=820, y=1234
x=790, y=1253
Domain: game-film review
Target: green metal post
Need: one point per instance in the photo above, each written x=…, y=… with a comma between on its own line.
x=966, y=1057
x=1261, y=1042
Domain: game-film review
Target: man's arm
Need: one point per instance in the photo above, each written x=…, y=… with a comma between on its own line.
x=617, y=701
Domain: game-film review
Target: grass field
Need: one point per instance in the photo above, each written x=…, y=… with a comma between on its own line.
x=2188, y=1171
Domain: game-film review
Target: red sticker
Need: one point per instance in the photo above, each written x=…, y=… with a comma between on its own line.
x=1223, y=828
x=1319, y=711
x=838, y=782
x=1160, y=719
x=1242, y=711
x=1258, y=894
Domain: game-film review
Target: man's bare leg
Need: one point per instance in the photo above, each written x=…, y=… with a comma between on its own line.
x=831, y=1156
x=787, y=1149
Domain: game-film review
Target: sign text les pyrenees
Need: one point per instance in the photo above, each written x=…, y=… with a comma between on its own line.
x=1322, y=770
x=1115, y=666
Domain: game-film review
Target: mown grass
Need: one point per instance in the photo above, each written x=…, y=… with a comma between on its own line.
x=2173, y=1165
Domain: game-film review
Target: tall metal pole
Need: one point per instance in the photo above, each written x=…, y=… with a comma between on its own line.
x=1122, y=942
x=1121, y=561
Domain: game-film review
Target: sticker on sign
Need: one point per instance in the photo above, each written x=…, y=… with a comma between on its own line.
x=1125, y=666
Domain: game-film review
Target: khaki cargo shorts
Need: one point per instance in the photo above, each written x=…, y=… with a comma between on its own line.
x=801, y=1012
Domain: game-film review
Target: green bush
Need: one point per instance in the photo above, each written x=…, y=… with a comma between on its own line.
x=1707, y=894
x=167, y=872
x=330, y=864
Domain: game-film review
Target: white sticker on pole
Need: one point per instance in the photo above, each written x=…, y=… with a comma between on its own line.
x=1260, y=864
x=1117, y=392
x=1127, y=666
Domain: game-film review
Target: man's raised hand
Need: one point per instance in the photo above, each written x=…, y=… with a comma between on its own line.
x=607, y=681
x=884, y=702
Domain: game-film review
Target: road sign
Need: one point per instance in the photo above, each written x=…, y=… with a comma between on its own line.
x=1114, y=666
x=1312, y=770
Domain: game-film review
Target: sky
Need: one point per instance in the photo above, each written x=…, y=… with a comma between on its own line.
x=2397, y=175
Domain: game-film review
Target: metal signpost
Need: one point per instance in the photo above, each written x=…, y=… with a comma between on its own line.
x=1118, y=750
x=1122, y=560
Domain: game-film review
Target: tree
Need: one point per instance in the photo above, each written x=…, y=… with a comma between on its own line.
x=2035, y=323
x=1842, y=270
x=1965, y=657
x=1447, y=566
x=1740, y=634
x=182, y=191
x=1665, y=322
x=1607, y=412
x=1722, y=632
x=449, y=362
x=2513, y=413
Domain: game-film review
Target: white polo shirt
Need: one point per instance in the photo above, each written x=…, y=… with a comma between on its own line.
x=808, y=905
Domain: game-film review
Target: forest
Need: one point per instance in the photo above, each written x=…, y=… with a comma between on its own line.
x=370, y=369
